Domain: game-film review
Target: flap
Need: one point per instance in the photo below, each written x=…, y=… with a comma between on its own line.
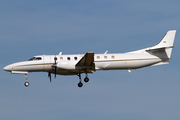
x=87, y=60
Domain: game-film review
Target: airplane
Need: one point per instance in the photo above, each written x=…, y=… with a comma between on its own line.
x=78, y=64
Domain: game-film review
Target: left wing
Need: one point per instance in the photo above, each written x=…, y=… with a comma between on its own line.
x=87, y=61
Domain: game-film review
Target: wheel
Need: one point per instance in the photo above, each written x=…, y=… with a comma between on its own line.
x=86, y=79
x=80, y=84
x=26, y=84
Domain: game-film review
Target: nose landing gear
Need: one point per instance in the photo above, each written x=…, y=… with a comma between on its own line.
x=26, y=83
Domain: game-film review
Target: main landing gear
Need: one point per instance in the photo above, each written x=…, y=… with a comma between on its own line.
x=26, y=83
x=86, y=79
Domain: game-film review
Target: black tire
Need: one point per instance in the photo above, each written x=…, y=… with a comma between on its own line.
x=26, y=84
x=80, y=84
x=86, y=79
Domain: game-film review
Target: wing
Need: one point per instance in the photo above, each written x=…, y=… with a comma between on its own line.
x=87, y=62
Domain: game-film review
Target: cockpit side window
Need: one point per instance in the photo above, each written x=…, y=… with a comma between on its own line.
x=35, y=58
x=38, y=58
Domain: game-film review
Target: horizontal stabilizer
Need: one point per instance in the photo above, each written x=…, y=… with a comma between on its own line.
x=161, y=48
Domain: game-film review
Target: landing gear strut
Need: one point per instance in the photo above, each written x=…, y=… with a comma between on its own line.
x=86, y=79
x=80, y=84
x=26, y=83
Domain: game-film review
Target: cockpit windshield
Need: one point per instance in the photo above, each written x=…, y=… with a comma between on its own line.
x=35, y=58
x=31, y=59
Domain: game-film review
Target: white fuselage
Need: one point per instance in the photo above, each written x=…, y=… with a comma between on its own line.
x=66, y=63
x=86, y=63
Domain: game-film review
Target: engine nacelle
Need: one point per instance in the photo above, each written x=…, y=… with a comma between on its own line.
x=66, y=65
x=70, y=66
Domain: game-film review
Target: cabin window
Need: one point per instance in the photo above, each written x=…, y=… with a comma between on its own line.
x=61, y=58
x=68, y=58
x=98, y=57
x=75, y=58
x=105, y=57
x=112, y=57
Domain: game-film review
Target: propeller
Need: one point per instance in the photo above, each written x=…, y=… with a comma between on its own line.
x=55, y=59
x=55, y=66
x=49, y=75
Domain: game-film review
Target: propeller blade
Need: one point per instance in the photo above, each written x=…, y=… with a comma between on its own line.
x=55, y=66
x=55, y=72
x=49, y=75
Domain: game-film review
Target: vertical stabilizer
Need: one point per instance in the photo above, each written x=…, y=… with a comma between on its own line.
x=166, y=43
x=167, y=40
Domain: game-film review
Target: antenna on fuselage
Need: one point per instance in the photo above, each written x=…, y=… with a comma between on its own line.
x=106, y=52
x=60, y=53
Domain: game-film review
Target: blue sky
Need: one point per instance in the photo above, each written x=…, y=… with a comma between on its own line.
x=36, y=27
